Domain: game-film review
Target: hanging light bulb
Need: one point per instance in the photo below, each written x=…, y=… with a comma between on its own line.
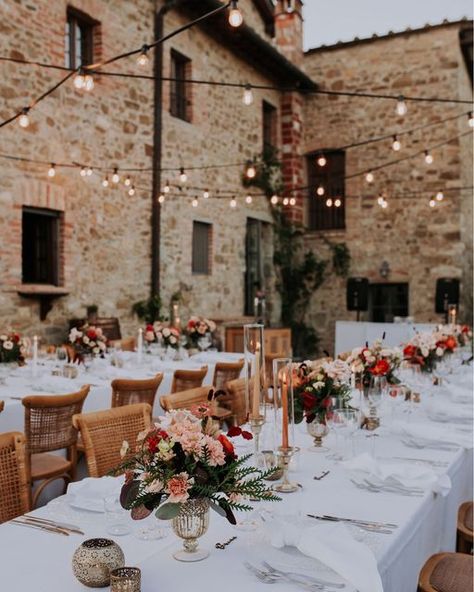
x=88, y=83
x=380, y=199
x=470, y=119
x=131, y=191
x=369, y=177
x=127, y=181
x=24, y=120
x=292, y=201
x=432, y=203
x=329, y=202
x=396, y=145
x=83, y=172
x=428, y=157
x=143, y=59
x=195, y=202
x=385, y=204
x=115, y=176
x=161, y=198
x=320, y=191
x=166, y=188
x=321, y=160
x=250, y=170
x=233, y=203
x=337, y=203
x=52, y=170
x=248, y=199
x=235, y=16
x=183, y=177
x=274, y=200
x=439, y=196
x=401, y=107
x=205, y=194
x=247, y=99
x=89, y=171
x=105, y=182
x=79, y=80
x=286, y=201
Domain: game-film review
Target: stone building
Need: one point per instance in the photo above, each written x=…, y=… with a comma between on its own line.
x=102, y=246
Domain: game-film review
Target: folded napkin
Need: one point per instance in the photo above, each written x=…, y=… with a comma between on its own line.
x=399, y=473
x=424, y=433
x=333, y=545
x=89, y=493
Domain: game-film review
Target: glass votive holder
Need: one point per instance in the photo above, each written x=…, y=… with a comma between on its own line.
x=125, y=579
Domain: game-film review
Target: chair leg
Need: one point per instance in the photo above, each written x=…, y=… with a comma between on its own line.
x=65, y=477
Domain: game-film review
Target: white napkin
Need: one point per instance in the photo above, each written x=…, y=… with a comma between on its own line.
x=423, y=433
x=89, y=493
x=333, y=545
x=406, y=474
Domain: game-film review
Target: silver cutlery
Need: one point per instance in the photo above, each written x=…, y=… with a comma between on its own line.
x=446, y=446
x=367, y=527
x=61, y=525
x=434, y=463
x=222, y=546
x=394, y=485
x=386, y=489
x=354, y=521
x=273, y=578
x=39, y=527
x=310, y=579
x=323, y=474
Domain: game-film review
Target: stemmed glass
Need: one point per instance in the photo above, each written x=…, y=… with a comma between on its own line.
x=333, y=421
x=348, y=423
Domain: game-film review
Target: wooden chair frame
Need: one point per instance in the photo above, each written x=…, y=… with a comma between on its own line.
x=15, y=492
x=464, y=539
x=125, y=390
x=189, y=378
x=424, y=580
x=226, y=368
x=103, y=433
x=37, y=436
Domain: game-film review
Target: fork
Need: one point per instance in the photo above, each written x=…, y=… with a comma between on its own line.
x=385, y=489
x=273, y=578
x=396, y=486
x=310, y=579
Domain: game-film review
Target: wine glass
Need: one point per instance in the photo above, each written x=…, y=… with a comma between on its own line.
x=347, y=420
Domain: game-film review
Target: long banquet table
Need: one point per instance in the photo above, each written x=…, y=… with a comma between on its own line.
x=22, y=382
x=40, y=561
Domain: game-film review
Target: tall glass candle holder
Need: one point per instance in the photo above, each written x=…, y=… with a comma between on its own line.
x=255, y=383
x=284, y=419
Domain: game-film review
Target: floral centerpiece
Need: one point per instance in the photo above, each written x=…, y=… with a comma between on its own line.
x=186, y=462
x=315, y=384
x=161, y=333
x=464, y=335
x=88, y=340
x=198, y=328
x=423, y=350
x=12, y=348
x=375, y=360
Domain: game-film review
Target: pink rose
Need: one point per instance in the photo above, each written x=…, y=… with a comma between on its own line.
x=178, y=487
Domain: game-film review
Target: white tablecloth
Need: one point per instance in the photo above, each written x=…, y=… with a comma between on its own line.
x=350, y=334
x=99, y=377
x=426, y=525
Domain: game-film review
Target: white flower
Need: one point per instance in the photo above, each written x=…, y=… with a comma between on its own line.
x=425, y=352
x=96, y=350
x=124, y=449
x=166, y=332
x=8, y=344
x=318, y=385
x=154, y=487
x=86, y=340
x=173, y=339
x=439, y=351
x=3, y=337
x=101, y=345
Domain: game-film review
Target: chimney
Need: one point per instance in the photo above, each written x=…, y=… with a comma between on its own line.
x=289, y=29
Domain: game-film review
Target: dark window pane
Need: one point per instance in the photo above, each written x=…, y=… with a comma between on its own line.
x=179, y=90
x=201, y=247
x=387, y=301
x=40, y=231
x=331, y=178
x=78, y=41
x=269, y=116
x=253, y=263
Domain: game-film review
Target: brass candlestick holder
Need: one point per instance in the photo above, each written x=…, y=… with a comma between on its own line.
x=256, y=424
x=285, y=486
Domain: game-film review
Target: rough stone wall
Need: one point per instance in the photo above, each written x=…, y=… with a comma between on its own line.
x=420, y=244
x=222, y=130
x=106, y=233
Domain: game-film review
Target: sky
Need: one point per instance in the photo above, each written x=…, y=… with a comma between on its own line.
x=329, y=21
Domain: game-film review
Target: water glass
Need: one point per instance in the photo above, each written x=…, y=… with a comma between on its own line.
x=117, y=518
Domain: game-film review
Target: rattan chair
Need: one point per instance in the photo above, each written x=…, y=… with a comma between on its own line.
x=48, y=427
x=2, y=405
x=184, y=380
x=447, y=572
x=15, y=493
x=465, y=528
x=128, y=392
x=269, y=366
x=192, y=398
x=226, y=371
x=236, y=400
x=103, y=433
x=127, y=344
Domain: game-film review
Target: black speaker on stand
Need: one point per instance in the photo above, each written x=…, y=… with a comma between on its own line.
x=357, y=295
x=447, y=292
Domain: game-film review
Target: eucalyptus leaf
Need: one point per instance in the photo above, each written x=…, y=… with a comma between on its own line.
x=129, y=493
x=140, y=512
x=168, y=511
